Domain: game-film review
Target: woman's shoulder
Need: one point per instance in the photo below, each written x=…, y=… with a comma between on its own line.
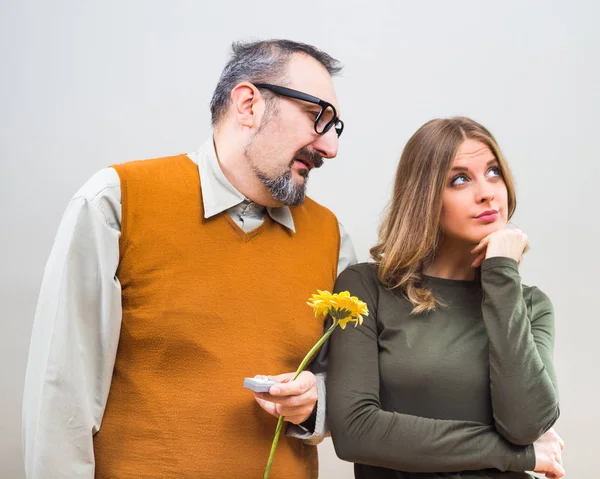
x=360, y=277
x=361, y=280
x=366, y=270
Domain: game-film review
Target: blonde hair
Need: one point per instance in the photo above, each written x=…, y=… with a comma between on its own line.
x=410, y=232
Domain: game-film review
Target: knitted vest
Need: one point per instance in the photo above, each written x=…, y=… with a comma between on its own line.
x=205, y=305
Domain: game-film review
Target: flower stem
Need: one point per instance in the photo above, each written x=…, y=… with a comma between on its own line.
x=273, y=446
x=314, y=349
x=303, y=364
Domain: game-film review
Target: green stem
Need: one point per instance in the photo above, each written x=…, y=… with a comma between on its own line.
x=303, y=364
x=314, y=349
x=273, y=446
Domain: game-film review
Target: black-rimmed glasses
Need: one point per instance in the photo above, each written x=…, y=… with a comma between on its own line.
x=326, y=118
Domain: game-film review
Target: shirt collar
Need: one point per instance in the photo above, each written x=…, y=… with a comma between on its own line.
x=218, y=194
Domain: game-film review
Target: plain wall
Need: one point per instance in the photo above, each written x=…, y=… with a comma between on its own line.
x=85, y=84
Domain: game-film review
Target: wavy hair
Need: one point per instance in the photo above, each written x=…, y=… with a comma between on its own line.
x=411, y=230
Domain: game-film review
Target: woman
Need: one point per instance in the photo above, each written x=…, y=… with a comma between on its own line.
x=451, y=374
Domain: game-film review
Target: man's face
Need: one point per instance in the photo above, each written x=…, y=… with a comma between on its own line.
x=285, y=147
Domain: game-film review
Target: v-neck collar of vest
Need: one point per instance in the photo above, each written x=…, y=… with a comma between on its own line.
x=246, y=236
x=218, y=194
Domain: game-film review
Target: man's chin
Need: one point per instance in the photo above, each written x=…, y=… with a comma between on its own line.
x=288, y=189
x=296, y=201
x=300, y=175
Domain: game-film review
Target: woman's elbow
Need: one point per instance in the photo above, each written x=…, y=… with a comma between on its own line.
x=346, y=448
x=519, y=437
x=525, y=431
x=346, y=438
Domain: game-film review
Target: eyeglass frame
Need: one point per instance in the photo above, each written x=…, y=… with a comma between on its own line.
x=298, y=95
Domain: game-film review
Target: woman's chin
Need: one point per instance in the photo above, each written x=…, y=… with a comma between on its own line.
x=486, y=230
x=474, y=234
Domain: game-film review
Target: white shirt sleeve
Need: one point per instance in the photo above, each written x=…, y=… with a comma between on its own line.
x=75, y=335
x=347, y=255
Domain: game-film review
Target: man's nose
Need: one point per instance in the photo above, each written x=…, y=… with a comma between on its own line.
x=327, y=144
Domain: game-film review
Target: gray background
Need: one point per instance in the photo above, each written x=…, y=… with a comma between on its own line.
x=86, y=84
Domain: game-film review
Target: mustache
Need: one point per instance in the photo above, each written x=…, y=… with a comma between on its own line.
x=311, y=155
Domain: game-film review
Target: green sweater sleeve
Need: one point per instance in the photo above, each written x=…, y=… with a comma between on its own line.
x=365, y=433
x=520, y=325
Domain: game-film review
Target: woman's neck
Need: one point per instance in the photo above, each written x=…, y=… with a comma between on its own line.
x=452, y=261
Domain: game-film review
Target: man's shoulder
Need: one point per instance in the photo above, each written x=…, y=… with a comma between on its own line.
x=103, y=191
x=150, y=164
x=103, y=182
x=106, y=183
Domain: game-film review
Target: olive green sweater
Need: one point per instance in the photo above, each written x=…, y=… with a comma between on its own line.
x=459, y=392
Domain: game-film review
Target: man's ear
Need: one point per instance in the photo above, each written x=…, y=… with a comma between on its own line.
x=247, y=104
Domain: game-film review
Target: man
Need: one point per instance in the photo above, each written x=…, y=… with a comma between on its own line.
x=172, y=279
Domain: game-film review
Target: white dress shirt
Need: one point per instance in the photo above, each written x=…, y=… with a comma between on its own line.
x=78, y=319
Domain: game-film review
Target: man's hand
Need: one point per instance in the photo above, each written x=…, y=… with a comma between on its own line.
x=548, y=454
x=293, y=399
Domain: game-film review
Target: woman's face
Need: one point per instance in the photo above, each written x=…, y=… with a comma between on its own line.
x=475, y=200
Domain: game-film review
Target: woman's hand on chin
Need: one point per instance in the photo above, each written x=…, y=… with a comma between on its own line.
x=509, y=243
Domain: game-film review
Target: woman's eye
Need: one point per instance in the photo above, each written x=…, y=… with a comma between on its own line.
x=459, y=180
x=495, y=171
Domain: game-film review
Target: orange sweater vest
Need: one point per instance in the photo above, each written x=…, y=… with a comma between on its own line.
x=205, y=305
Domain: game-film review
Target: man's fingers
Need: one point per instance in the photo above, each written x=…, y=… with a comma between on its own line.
x=294, y=414
x=294, y=399
x=294, y=387
x=290, y=401
x=268, y=406
x=282, y=378
x=303, y=411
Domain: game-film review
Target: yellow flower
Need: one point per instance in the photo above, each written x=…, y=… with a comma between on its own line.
x=342, y=307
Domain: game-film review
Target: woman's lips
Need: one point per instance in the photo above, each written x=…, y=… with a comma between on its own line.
x=489, y=215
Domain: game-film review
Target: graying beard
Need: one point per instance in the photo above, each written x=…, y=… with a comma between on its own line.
x=283, y=188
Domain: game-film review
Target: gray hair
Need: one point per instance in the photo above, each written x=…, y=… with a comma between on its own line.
x=261, y=62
